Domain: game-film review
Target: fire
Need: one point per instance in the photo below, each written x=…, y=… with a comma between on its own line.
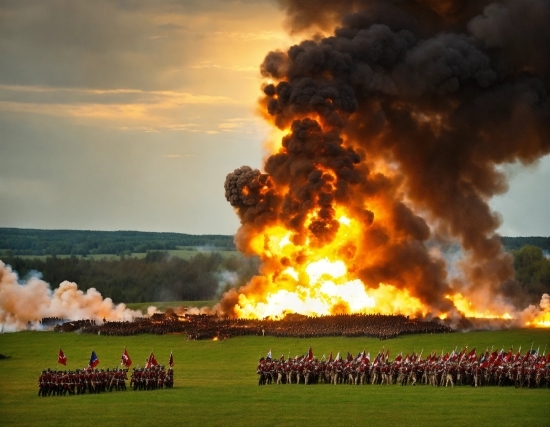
x=316, y=281
x=541, y=321
x=374, y=177
x=468, y=309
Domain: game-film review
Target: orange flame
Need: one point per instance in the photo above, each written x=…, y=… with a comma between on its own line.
x=541, y=321
x=318, y=282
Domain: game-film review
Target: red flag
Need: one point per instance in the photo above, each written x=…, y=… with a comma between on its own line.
x=508, y=357
x=472, y=356
x=171, y=361
x=151, y=361
x=330, y=357
x=310, y=353
x=125, y=359
x=61, y=358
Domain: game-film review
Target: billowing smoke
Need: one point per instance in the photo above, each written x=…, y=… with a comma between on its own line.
x=403, y=114
x=24, y=303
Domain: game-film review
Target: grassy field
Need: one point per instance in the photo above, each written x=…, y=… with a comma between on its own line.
x=216, y=385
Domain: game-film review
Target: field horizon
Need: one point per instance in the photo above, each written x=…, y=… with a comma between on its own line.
x=216, y=383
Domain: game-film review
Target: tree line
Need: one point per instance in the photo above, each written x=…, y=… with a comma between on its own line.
x=157, y=277
x=160, y=277
x=532, y=271
x=18, y=241
x=516, y=243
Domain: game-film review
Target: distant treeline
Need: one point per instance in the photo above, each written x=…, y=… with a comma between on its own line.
x=515, y=243
x=157, y=277
x=18, y=241
x=532, y=271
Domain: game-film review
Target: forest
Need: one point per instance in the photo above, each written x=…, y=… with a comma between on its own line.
x=20, y=241
x=158, y=276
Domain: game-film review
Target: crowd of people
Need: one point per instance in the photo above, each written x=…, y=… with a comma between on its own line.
x=81, y=381
x=199, y=327
x=61, y=382
x=152, y=378
x=490, y=368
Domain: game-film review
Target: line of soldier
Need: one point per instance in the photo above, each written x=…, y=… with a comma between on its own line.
x=489, y=368
x=152, y=378
x=203, y=326
x=62, y=382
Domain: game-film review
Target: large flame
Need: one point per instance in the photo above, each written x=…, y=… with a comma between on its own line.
x=321, y=282
x=390, y=142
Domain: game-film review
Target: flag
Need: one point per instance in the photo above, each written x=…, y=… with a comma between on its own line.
x=518, y=355
x=337, y=356
x=171, y=360
x=508, y=357
x=268, y=356
x=151, y=361
x=472, y=356
x=94, y=361
x=310, y=353
x=125, y=359
x=330, y=357
x=61, y=358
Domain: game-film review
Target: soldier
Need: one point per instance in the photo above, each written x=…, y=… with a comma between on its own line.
x=449, y=376
x=42, y=383
x=412, y=376
x=476, y=374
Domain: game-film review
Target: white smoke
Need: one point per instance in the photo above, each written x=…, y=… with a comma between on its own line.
x=533, y=312
x=24, y=303
x=227, y=278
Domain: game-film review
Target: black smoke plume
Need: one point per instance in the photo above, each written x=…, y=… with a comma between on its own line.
x=412, y=106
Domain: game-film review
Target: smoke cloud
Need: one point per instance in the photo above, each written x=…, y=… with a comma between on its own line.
x=403, y=112
x=24, y=304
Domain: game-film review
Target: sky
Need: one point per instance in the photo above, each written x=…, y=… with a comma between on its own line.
x=128, y=115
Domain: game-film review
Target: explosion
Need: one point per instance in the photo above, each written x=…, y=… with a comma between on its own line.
x=395, y=124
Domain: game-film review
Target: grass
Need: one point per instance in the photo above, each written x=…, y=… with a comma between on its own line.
x=216, y=384
x=174, y=304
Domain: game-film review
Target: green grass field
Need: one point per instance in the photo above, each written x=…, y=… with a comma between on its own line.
x=216, y=385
